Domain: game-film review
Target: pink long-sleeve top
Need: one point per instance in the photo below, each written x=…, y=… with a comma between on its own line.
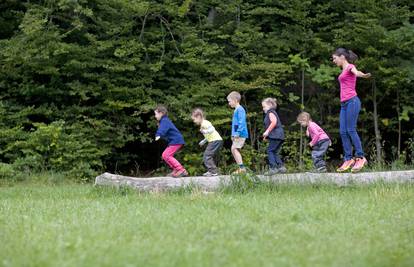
x=316, y=133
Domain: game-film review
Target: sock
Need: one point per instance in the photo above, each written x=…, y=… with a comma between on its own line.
x=241, y=166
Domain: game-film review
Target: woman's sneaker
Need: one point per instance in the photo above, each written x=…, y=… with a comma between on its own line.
x=348, y=164
x=210, y=174
x=180, y=173
x=359, y=164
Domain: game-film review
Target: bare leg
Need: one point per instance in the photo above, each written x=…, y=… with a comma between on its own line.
x=237, y=156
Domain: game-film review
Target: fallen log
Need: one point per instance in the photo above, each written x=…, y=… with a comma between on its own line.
x=214, y=183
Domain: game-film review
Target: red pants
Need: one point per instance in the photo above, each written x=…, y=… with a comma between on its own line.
x=168, y=157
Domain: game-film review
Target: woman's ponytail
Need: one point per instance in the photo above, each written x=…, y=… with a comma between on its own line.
x=350, y=56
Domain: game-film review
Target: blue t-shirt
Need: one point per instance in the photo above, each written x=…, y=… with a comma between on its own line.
x=239, y=123
x=169, y=132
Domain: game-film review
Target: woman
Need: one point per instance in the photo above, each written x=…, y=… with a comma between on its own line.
x=350, y=108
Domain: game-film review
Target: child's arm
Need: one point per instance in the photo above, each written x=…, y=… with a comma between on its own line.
x=314, y=139
x=241, y=122
x=360, y=73
x=202, y=142
x=273, y=123
x=210, y=129
x=161, y=131
x=314, y=132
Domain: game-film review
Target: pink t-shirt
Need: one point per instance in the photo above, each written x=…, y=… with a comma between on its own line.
x=347, y=81
x=316, y=133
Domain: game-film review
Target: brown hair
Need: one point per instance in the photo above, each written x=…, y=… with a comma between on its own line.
x=197, y=112
x=234, y=96
x=304, y=116
x=270, y=101
x=350, y=56
x=161, y=109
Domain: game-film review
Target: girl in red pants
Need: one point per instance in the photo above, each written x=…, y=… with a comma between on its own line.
x=172, y=135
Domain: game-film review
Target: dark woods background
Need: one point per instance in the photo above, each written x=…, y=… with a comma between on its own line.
x=79, y=79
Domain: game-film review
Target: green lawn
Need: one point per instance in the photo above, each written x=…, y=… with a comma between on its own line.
x=78, y=225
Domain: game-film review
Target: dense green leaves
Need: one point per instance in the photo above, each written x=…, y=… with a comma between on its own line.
x=89, y=73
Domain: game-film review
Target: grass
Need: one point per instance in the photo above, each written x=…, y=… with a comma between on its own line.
x=79, y=225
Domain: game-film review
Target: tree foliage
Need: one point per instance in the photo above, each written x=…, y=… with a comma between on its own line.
x=79, y=78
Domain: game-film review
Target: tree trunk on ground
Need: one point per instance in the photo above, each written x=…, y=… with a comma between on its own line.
x=215, y=183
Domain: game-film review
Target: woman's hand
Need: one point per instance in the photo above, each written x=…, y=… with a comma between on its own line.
x=360, y=73
x=365, y=75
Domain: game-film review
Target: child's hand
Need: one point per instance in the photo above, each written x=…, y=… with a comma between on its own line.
x=310, y=144
x=202, y=142
x=157, y=138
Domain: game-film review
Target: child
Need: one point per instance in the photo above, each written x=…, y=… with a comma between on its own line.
x=170, y=133
x=238, y=129
x=213, y=138
x=275, y=134
x=319, y=140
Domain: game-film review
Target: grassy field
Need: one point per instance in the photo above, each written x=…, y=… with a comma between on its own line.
x=79, y=225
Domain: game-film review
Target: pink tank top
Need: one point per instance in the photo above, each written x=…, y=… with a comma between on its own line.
x=347, y=81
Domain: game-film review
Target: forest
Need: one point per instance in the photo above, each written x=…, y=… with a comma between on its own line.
x=79, y=79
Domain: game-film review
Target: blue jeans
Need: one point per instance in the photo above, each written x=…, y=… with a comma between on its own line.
x=348, y=118
x=273, y=153
x=318, y=153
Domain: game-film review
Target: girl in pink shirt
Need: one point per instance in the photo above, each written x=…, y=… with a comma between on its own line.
x=350, y=108
x=319, y=143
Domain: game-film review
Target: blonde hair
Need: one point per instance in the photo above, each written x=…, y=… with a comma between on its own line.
x=234, y=96
x=270, y=101
x=161, y=109
x=198, y=112
x=304, y=116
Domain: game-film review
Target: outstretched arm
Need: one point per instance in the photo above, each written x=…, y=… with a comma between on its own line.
x=360, y=73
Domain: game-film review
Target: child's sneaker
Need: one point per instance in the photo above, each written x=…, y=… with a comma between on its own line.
x=320, y=170
x=348, y=164
x=209, y=174
x=271, y=171
x=180, y=173
x=282, y=169
x=239, y=171
x=359, y=164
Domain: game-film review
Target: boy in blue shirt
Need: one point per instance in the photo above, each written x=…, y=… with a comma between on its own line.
x=239, y=132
